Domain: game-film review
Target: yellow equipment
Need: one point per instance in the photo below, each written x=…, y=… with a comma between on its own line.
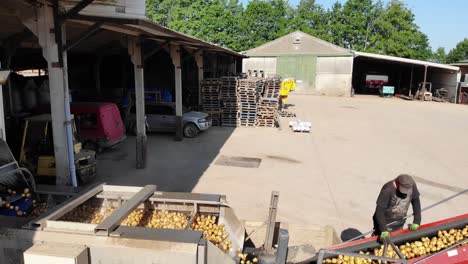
x=37, y=150
x=287, y=85
x=46, y=166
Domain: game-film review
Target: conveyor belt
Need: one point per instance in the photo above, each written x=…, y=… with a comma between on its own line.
x=400, y=237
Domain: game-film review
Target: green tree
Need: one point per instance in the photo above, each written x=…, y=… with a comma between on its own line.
x=215, y=21
x=164, y=12
x=263, y=21
x=362, y=25
x=311, y=18
x=335, y=26
x=397, y=34
x=460, y=52
x=439, y=55
x=357, y=20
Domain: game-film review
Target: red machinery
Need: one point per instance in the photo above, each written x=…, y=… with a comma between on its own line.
x=374, y=81
x=458, y=255
x=100, y=124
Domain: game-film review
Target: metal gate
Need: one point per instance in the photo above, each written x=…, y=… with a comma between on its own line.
x=302, y=68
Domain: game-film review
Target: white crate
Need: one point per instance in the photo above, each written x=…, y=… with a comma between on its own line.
x=299, y=126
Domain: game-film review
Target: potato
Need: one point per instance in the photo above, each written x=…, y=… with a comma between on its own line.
x=425, y=246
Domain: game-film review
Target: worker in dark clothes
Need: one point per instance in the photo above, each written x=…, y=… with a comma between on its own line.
x=393, y=204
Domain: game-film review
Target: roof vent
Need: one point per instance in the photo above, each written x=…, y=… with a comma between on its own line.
x=297, y=40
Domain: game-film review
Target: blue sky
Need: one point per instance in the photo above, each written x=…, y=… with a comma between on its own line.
x=440, y=20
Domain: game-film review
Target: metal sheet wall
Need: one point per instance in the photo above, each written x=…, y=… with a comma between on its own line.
x=314, y=75
x=443, y=80
x=334, y=76
x=302, y=68
x=266, y=64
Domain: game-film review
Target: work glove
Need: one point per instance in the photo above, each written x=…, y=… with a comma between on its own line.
x=384, y=235
x=414, y=227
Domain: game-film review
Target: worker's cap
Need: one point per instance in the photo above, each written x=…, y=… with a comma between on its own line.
x=405, y=183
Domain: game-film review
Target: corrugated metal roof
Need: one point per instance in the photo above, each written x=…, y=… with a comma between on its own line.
x=146, y=27
x=112, y=23
x=115, y=8
x=296, y=43
x=405, y=60
x=460, y=63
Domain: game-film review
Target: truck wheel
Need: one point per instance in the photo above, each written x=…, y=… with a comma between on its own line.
x=190, y=130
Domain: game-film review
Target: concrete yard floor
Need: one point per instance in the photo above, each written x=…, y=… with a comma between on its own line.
x=331, y=176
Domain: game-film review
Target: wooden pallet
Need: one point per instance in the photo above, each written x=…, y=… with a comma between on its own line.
x=265, y=125
x=212, y=105
x=210, y=87
x=225, y=116
x=247, y=117
x=244, y=123
x=286, y=114
x=211, y=102
x=267, y=106
x=211, y=81
x=272, y=88
x=268, y=109
x=248, y=104
x=224, y=95
x=210, y=94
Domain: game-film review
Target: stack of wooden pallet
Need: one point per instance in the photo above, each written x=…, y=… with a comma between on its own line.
x=267, y=112
x=272, y=88
x=247, y=96
x=211, y=99
x=269, y=103
x=229, y=99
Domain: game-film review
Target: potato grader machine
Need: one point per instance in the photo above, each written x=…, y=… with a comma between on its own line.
x=122, y=224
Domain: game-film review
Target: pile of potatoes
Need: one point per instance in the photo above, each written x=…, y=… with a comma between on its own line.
x=156, y=219
x=215, y=233
x=424, y=247
x=207, y=224
x=174, y=220
x=87, y=214
x=25, y=194
x=38, y=209
x=246, y=258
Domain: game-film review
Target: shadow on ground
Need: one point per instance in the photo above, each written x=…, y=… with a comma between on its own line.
x=171, y=165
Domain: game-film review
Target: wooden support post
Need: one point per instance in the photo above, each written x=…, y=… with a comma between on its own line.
x=134, y=49
x=199, y=61
x=175, y=55
x=59, y=98
x=235, y=65
x=11, y=45
x=411, y=81
x=425, y=80
x=399, y=79
x=2, y=113
x=124, y=80
x=97, y=74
